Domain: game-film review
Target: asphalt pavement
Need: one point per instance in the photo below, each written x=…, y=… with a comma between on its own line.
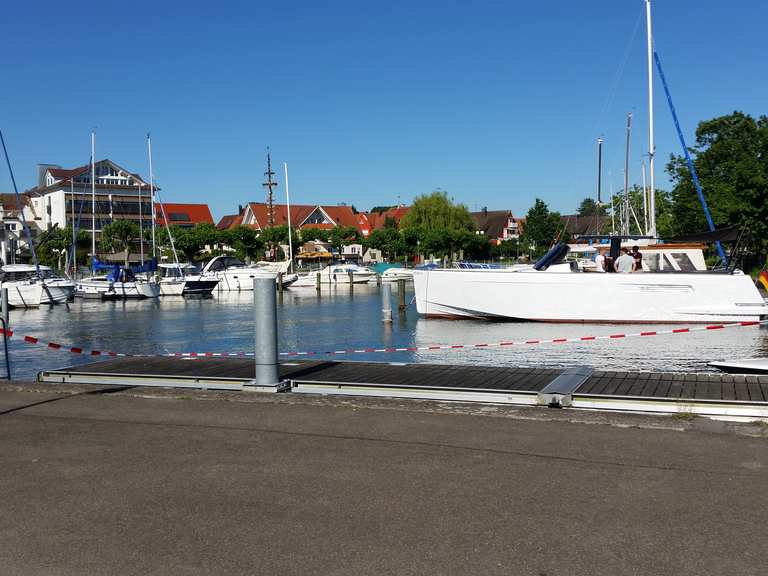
x=99, y=480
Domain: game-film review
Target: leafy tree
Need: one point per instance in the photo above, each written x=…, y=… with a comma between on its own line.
x=319, y=234
x=588, y=207
x=731, y=160
x=436, y=212
x=342, y=235
x=245, y=242
x=541, y=229
x=506, y=249
x=55, y=246
x=119, y=235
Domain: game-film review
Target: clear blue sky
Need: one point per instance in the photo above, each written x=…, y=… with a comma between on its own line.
x=368, y=102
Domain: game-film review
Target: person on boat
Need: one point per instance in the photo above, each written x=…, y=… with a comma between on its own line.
x=600, y=260
x=637, y=265
x=624, y=263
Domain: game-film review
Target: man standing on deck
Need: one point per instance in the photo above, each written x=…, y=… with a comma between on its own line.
x=600, y=260
x=624, y=263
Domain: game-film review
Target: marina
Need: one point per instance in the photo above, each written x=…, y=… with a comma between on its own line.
x=309, y=320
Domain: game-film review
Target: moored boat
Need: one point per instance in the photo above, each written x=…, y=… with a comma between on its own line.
x=29, y=286
x=558, y=292
x=183, y=280
x=337, y=274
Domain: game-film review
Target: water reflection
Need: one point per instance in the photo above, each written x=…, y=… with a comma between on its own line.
x=339, y=318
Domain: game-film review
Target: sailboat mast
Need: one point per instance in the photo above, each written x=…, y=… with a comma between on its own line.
x=288, y=205
x=645, y=197
x=651, y=143
x=599, y=184
x=74, y=230
x=152, y=194
x=93, y=199
x=141, y=229
x=625, y=225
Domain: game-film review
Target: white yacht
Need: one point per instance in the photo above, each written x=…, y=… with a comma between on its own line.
x=28, y=289
x=556, y=292
x=183, y=280
x=395, y=274
x=234, y=275
x=338, y=274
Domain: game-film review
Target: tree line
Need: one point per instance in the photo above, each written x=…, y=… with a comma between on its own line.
x=730, y=156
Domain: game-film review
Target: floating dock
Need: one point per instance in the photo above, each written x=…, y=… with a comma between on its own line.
x=709, y=394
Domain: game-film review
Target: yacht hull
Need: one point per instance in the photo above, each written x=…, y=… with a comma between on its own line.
x=584, y=297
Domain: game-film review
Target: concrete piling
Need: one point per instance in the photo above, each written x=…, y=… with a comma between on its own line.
x=265, y=331
x=401, y=295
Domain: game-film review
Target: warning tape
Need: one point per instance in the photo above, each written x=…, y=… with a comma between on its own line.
x=503, y=344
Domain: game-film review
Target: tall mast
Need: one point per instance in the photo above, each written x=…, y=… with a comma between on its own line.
x=645, y=197
x=74, y=231
x=269, y=184
x=599, y=184
x=152, y=194
x=625, y=225
x=651, y=143
x=288, y=203
x=93, y=199
x=141, y=229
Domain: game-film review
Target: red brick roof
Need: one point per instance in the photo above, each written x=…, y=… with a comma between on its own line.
x=378, y=219
x=229, y=221
x=341, y=215
x=184, y=214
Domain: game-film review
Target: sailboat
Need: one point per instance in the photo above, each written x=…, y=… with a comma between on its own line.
x=120, y=282
x=29, y=286
x=556, y=291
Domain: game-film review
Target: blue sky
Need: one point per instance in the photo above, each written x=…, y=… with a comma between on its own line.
x=495, y=102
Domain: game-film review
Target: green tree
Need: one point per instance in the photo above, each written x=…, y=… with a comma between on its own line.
x=342, y=235
x=731, y=160
x=436, y=212
x=588, y=207
x=119, y=235
x=245, y=242
x=541, y=229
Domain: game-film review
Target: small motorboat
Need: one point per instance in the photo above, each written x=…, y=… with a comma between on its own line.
x=29, y=287
x=743, y=366
x=394, y=274
x=337, y=274
x=183, y=280
x=234, y=275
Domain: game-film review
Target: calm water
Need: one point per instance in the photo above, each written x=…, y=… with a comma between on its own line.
x=340, y=319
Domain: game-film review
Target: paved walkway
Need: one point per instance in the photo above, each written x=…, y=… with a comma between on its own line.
x=143, y=481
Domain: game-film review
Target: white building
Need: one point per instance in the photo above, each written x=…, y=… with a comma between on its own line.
x=12, y=238
x=63, y=195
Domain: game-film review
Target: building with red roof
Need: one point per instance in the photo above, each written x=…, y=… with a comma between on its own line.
x=183, y=215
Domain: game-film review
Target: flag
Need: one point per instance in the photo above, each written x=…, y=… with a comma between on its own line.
x=763, y=278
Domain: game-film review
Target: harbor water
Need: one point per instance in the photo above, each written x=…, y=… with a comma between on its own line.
x=338, y=318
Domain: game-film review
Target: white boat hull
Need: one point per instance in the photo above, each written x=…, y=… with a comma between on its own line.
x=395, y=274
x=25, y=294
x=586, y=297
x=238, y=279
x=105, y=290
x=743, y=366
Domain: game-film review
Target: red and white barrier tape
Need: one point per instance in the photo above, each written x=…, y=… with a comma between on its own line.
x=504, y=344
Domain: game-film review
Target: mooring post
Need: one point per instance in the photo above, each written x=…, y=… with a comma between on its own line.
x=351, y=279
x=386, y=303
x=279, y=281
x=6, y=318
x=378, y=279
x=401, y=295
x=265, y=321
x=317, y=282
